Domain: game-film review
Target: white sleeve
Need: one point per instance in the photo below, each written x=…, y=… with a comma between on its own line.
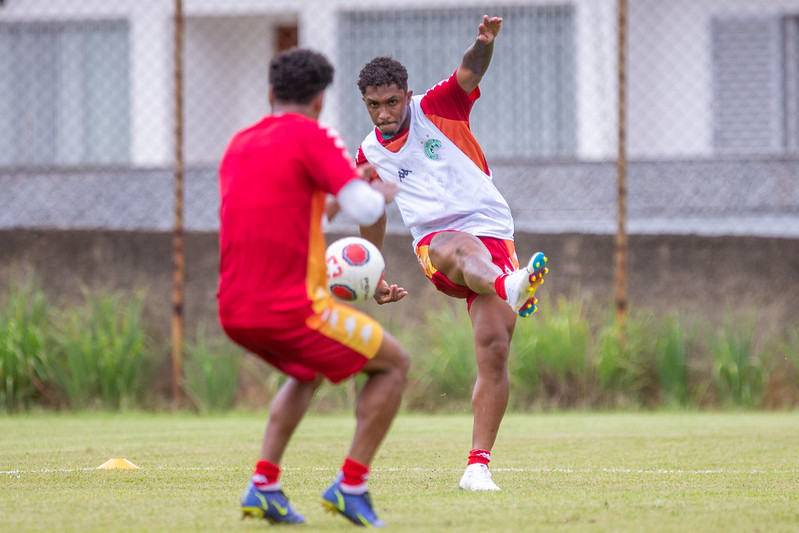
x=361, y=202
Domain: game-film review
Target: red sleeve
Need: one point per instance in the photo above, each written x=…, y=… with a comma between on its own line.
x=360, y=159
x=448, y=100
x=329, y=162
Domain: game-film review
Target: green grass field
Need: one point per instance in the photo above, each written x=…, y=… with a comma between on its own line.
x=559, y=472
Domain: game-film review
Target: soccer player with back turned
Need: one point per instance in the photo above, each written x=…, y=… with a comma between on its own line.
x=274, y=180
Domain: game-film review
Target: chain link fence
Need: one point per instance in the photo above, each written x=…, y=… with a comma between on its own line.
x=87, y=105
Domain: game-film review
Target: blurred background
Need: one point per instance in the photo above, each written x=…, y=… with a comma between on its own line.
x=650, y=148
x=87, y=104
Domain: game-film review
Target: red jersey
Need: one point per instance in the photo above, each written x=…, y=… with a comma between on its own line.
x=448, y=107
x=273, y=182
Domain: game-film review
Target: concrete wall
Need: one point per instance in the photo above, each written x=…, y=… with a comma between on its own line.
x=702, y=276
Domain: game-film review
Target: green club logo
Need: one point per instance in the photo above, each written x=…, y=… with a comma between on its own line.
x=429, y=146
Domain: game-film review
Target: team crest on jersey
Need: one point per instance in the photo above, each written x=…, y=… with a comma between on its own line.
x=431, y=145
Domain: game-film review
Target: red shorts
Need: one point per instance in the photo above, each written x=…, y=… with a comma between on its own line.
x=335, y=341
x=503, y=254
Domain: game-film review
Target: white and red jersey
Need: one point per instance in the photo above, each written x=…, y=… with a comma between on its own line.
x=446, y=182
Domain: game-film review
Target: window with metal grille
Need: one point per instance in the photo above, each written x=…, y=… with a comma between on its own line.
x=527, y=108
x=749, y=84
x=64, y=93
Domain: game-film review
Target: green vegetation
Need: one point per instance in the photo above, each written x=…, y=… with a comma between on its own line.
x=575, y=471
x=23, y=360
x=716, y=452
x=211, y=373
x=99, y=355
x=564, y=358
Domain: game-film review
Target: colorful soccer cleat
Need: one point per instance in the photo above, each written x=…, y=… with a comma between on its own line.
x=273, y=506
x=477, y=477
x=357, y=508
x=520, y=286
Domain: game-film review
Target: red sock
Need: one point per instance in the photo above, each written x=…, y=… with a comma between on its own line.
x=479, y=456
x=499, y=286
x=266, y=476
x=354, y=476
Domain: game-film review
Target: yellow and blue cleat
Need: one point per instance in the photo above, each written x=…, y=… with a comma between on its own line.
x=357, y=508
x=520, y=286
x=272, y=506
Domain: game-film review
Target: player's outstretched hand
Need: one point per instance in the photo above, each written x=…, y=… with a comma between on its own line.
x=386, y=293
x=489, y=29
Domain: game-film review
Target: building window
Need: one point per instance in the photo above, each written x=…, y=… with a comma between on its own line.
x=524, y=112
x=754, y=84
x=64, y=93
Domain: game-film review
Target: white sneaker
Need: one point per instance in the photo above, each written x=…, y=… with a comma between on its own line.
x=520, y=286
x=477, y=477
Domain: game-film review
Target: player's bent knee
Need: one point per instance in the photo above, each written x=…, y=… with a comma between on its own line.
x=390, y=357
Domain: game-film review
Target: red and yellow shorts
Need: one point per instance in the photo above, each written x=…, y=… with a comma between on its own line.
x=503, y=254
x=336, y=340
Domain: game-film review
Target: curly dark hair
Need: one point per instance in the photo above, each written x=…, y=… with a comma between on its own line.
x=299, y=74
x=381, y=71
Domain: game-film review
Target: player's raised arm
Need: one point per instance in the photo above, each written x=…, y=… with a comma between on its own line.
x=477, y=58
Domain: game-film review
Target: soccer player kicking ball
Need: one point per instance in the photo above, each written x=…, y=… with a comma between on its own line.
x=274, y=180
x=461, y=225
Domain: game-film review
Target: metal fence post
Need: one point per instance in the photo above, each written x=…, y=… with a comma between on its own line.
x=621, y=166
x=179, y=260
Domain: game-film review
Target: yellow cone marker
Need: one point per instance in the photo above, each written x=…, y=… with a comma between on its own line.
x=117, y=464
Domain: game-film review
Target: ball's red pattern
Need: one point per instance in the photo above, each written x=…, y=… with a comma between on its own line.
x=355, y=254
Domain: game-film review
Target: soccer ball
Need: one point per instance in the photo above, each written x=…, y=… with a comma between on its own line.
x=355, y=268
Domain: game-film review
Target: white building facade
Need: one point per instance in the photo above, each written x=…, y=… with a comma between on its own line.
x=90, y=86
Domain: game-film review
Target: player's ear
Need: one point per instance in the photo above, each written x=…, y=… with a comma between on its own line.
x=318, y=102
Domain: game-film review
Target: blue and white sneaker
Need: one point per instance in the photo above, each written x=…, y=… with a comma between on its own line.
x=272, y=506
x=357, y=508
x=520, y=286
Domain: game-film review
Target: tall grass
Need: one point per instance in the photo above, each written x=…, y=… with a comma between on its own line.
x=211, y=372
x=563, y=357
x=673, y=359
x=737, y=369
x=100, y=357
x=549, y=356
x=444, y=367
x=626, y=360
x=782, y=385
x=24, y=322
x=96, y=354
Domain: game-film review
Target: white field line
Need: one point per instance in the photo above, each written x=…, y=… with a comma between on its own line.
x=613, y=470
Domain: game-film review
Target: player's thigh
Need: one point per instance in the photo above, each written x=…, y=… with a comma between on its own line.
x=449, y=249
x=390, y=356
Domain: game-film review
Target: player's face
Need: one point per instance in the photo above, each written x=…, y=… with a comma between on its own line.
x=388, y=106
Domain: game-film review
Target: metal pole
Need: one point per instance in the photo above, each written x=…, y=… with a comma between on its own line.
x=621, y=166
x=178, y=254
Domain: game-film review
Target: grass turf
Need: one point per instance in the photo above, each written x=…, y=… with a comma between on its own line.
x=558, y=471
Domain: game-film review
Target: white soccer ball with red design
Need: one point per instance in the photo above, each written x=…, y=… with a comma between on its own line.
x=355, y=268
